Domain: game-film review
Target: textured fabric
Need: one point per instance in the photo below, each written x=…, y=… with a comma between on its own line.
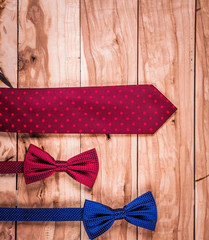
x=139, y=109
x=97, y=218
x=11, y=167
x=39, y=165
x=41, y=214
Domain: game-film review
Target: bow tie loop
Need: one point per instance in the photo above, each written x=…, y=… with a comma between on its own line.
x=61, y=166
x=119, y=213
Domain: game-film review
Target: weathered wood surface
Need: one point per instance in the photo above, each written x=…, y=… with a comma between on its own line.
x=8, y=75
x=166, y=58
x=95, y=42
x=49, y=55
x=202, y=121
x=109, y=56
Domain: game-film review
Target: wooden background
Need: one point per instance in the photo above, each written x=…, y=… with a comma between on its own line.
x=61, y=43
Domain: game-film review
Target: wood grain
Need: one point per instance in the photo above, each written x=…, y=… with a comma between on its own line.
x=93, y=42
x=201, y=121
x=8, y=69
x=165, y=160
x=109, y=57
x=49, y=57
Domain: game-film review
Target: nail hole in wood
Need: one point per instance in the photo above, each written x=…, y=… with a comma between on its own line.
x=33, y=59
x=108, y=136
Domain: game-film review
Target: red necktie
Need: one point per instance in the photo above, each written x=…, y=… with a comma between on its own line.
x=138, y=109
x=39, y=165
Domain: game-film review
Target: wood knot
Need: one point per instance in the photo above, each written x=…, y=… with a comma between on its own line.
x=27, y=58
x=3, y=4
x=22, y=63
x=35, y=14
x=33, y=58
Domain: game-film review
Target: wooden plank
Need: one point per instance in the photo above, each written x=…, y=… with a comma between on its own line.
x=201, y=121
x=166, y=59
x=49, y=57
x=8, y=73
x=8, y=42
x=109, y=57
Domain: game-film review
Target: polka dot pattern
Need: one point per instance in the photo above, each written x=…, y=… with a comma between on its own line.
x=139, y=109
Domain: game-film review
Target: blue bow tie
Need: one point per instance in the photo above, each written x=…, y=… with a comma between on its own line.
x=97, y=218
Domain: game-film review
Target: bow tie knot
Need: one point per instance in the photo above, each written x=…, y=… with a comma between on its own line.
x=119, y=213
x=61, y=166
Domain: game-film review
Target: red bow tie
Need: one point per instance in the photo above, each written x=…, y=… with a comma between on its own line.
x=39, y=165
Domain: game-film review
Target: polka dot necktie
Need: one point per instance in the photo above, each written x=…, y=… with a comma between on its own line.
x=138, y=109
